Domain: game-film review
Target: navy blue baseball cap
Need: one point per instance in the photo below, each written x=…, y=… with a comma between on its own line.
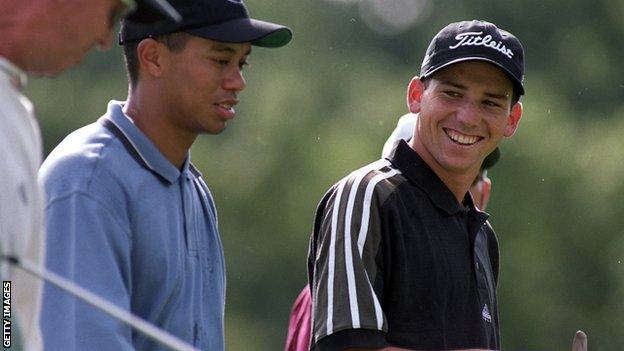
x=220, y=20
x=151, y=10
x=476, y=40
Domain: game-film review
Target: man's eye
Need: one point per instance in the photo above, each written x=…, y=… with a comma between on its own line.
x=491, y=103
x=221, y=62
x=452, y=94
x=243, y=64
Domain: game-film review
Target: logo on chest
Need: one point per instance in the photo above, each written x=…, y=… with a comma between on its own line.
x=485, y=313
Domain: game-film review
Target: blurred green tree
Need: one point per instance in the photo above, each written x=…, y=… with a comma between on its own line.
x=324, y=105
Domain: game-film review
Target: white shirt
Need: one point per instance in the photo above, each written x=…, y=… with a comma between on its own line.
x=21, y=205
x=403, y=131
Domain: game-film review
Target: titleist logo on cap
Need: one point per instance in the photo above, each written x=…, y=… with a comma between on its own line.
x=475, y=39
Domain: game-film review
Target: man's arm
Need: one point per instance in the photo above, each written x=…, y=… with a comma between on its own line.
x=346, y=284
x=88, y=245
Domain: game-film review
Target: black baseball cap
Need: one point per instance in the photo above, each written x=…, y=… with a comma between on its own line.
x=151, y=10
x=221, y=20
x=476, y=40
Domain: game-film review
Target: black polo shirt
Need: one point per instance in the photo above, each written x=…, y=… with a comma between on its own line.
x=396, y=260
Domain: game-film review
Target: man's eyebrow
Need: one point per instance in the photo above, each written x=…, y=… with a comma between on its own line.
x=228, y=49
x=501, y=96
x=454, y=84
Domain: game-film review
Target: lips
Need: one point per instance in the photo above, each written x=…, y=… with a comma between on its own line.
x=225, y=108
x=462, y=139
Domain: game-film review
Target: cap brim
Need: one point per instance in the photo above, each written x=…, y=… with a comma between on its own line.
x=154, y=10
x=515, y=81
x=246, y=30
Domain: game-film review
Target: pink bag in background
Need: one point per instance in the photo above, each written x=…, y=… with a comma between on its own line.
x=299, y=323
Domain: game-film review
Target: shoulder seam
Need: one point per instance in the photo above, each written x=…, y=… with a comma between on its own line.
x=91, y=198
x=383, y=170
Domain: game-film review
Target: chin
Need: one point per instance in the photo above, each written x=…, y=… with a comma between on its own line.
x=58, y=68
x=458, y=166
x=214, y=130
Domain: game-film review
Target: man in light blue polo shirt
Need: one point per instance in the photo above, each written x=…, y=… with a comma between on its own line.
x=128, y=215
x=40, y=37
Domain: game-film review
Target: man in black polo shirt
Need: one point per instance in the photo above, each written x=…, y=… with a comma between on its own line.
x=400, y=258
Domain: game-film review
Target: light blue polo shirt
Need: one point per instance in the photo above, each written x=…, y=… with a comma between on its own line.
x=124, y=222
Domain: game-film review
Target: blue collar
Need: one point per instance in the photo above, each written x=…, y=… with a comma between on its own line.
x=140, y=147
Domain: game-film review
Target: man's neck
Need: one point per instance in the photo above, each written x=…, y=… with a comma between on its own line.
x=458, y=183
x=152, y=119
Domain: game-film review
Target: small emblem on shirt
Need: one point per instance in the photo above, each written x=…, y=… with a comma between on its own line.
x=485, y=313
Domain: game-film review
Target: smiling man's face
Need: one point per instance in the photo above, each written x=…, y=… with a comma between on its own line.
x=464, y=112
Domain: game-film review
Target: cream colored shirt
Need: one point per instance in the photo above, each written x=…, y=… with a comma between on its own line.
x=21, y=205
x=403, y=131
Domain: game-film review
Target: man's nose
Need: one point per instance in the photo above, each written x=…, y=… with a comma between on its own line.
x=469, y=114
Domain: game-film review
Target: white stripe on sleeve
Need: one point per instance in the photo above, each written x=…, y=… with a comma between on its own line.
x=332, y=259
x=364, y=230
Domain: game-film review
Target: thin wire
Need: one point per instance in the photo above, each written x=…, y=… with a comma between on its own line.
x=133, y=321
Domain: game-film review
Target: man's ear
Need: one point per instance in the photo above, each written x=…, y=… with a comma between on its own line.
x=151, y=56
x=414, y=94
x=513, y=119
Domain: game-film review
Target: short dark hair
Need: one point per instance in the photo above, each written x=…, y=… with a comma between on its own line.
x=175, y=42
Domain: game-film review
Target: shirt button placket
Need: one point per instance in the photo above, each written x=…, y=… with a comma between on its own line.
x=191, y=236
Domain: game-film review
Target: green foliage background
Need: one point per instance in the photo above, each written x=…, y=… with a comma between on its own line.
x=324, y=105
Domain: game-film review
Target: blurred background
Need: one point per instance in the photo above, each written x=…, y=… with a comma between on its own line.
x=323, y=106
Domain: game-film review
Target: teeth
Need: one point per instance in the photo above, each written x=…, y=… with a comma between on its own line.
x=461, y=138
x=226, y=106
